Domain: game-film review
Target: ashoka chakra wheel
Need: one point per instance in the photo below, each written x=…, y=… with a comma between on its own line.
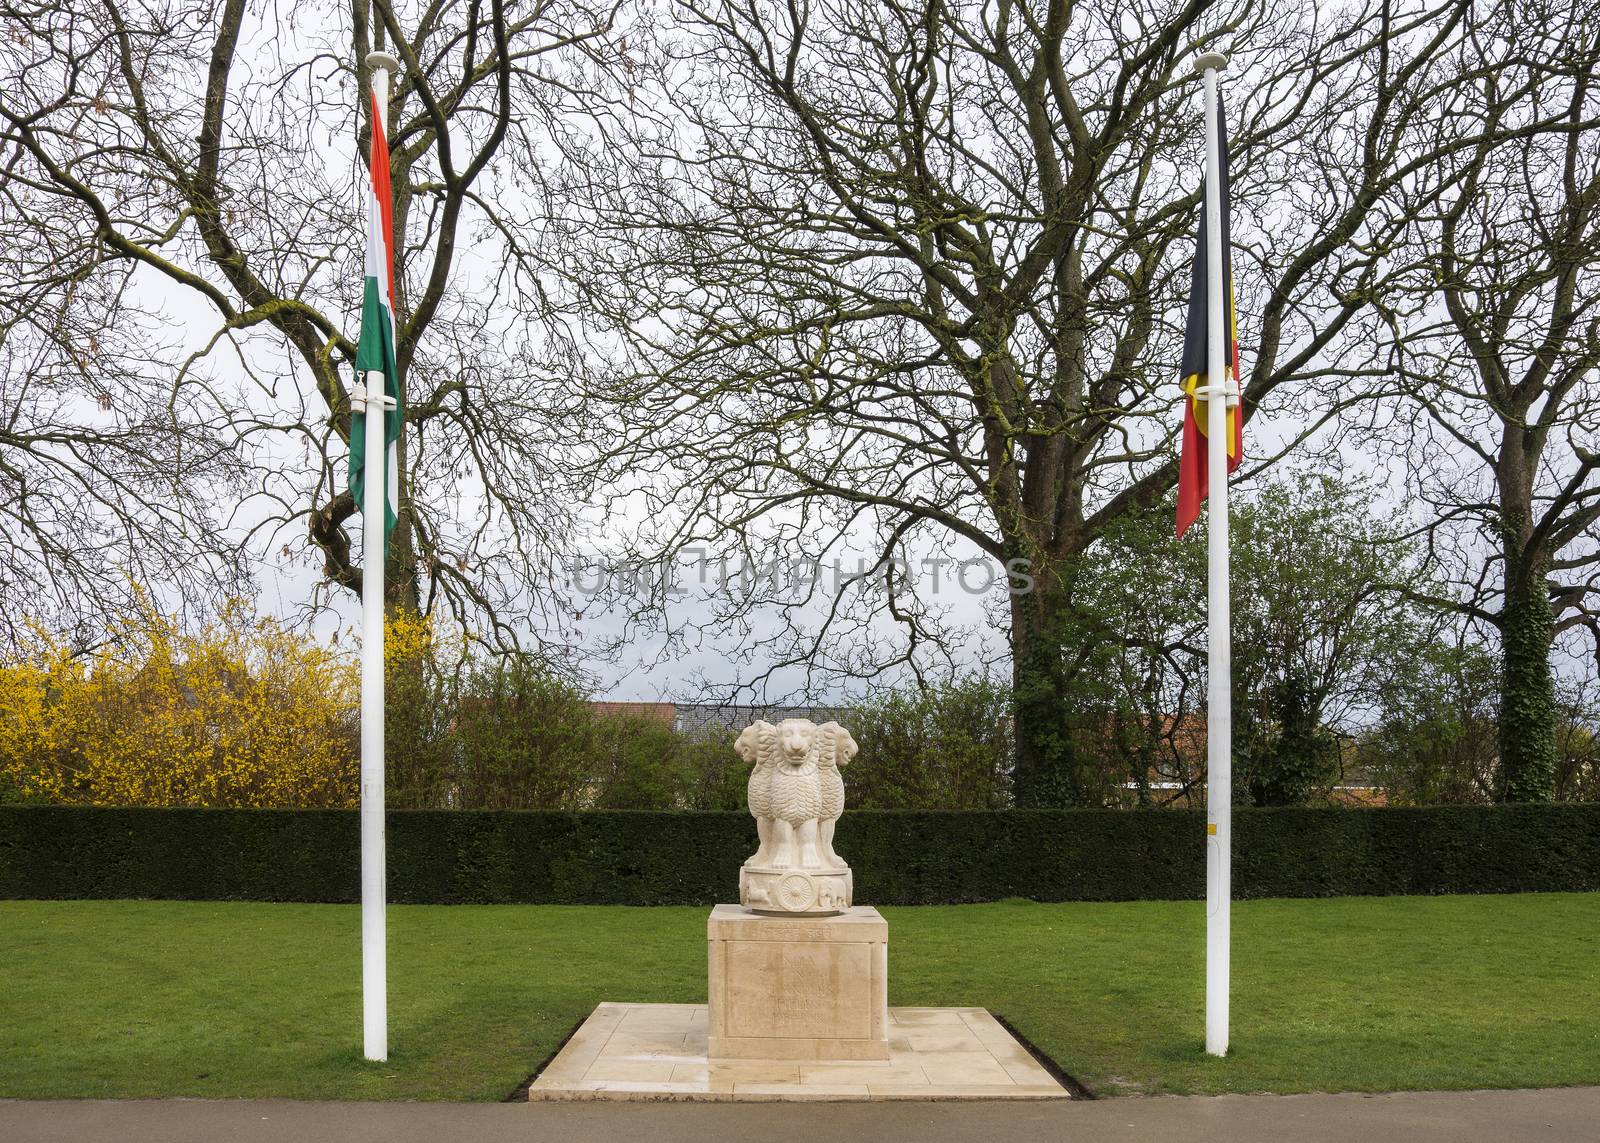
x=796, y=893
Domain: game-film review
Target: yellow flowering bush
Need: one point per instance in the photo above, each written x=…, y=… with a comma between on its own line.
x=26, y=738
x=244, y=712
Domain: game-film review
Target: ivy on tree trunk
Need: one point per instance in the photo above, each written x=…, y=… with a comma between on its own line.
x=1527, y=699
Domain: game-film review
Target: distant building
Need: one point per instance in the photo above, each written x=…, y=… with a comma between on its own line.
x=695, y=718
x=661, y=713
x=1179, y=778
x=706, y=718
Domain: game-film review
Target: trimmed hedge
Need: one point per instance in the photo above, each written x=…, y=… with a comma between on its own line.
x=899, y=857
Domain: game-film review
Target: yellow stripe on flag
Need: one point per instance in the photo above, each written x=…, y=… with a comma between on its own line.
x=1191, y=386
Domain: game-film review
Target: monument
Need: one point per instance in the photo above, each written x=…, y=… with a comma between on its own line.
x=798, y=978
x=796, y=795
x=796, y=970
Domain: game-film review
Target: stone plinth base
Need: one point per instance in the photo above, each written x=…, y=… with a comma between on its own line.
x=658, y=1052
x=818, y=892
x=812, y=988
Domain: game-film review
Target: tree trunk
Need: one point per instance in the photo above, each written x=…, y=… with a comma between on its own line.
x=1527, y=629
x=1050, y=768
x=1527, y=693
x=401, y=588
x=1038, y=704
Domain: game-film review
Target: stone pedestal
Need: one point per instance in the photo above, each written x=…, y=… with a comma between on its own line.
x=812, y=988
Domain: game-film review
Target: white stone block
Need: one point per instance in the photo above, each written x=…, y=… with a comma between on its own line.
x=802, y=988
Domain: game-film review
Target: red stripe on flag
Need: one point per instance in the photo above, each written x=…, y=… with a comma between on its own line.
x=1191, y=470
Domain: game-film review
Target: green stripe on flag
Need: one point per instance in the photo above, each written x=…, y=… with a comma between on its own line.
x=375, y=352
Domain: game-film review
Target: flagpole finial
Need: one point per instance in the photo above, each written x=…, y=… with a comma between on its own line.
x=385, y=61
x=1205, y=61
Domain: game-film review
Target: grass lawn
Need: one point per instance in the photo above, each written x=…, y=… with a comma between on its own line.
x=161, y=998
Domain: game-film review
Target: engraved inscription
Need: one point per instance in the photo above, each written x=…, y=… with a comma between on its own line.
x=803, y=995
x=779, y=931
x=799, y=989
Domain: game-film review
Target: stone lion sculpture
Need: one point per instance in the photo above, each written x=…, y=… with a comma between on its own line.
x=757, y=744
x=835, y=748
x=796, y=795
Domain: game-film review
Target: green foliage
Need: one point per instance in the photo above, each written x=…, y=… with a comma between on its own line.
x=716, y=777
x=527, y=739
x=1050, y=768
x=1318, y=622
x=1059, y=694
x=1578, y=775
x=422, y=695
x=899, y=857
x=506, y=732
x=947, y=747
x=1435, y=738
x=1318, y=626
x=1293, y=756
x=1136, y=643
x=637, y=765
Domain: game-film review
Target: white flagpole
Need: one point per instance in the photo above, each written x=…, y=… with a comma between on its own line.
x=1219, y=690
x=374, y=928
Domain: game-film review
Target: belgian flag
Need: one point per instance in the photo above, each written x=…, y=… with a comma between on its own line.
x=1192, y=486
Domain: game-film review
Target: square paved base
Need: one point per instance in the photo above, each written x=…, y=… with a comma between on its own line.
x=658, y=1052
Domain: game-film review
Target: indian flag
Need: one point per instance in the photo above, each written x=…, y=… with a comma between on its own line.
x=375, y=353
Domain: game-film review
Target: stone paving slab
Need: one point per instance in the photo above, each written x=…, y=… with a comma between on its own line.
x=658, y=1052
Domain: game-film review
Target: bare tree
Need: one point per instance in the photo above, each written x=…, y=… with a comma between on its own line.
x=206, y=156
x=913, y=271
x=108, y=482
x=1499, y=313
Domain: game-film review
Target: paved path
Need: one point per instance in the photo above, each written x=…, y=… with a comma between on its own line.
x=1414, y=1117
